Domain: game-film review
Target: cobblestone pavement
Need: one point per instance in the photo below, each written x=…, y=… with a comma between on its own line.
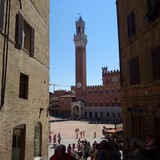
x=93, y=132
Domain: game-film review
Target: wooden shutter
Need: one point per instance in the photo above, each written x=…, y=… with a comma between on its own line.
x=32, y=42
x=19, y=29
x=156, y=63
x=153, y=9
x=131, y=25
x=134, y=71
x=150, y=4
x=1, y=13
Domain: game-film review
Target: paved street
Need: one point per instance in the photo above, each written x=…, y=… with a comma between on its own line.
x=68, y=135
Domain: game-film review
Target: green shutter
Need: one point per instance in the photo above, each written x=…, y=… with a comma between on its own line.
x=19, y=29
x=1, y=13
x=32, y=42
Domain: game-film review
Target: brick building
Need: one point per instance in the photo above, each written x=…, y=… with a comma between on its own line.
x=24, y=77
x=139, y=50
x=97, y=102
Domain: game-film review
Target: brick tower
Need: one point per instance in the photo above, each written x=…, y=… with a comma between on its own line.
x=80, y=40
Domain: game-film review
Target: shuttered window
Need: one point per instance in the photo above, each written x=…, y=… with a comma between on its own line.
x=1, y=13
x=24, y=34
x=134, y=71
x=23, y=86
x=150, y=4
x=131, y=25
x=156, y=63
x=153, y=9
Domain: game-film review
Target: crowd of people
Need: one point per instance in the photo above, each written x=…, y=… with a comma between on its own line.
x=83, y=150
x=112, y=148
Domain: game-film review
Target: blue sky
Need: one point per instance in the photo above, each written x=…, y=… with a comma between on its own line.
x=101, y=30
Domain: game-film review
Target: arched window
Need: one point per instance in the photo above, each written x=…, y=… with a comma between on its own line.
x=38, y=140
x=107, y=90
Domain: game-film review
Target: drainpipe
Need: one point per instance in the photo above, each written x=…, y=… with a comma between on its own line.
x=5, y=51
x=121, y=80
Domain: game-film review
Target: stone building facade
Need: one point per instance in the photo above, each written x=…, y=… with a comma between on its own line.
x=24, y=77
x=139, y=50
x=97, y=102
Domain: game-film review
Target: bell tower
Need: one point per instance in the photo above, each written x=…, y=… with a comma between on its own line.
x=80, y=40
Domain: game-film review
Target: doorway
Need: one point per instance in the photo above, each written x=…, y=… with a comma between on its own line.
x=18, y=142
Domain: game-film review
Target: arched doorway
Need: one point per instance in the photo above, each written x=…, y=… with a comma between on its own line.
x=18, y=142
x=157, y=125
x=76, y=112
x=38, y=140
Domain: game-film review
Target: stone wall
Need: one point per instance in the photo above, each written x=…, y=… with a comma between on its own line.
x=18, y=111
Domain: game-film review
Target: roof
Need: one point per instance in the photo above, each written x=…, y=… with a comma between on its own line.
x=113, y=130
x=67, y=96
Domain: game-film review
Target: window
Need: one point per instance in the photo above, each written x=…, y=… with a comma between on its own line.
x=131, y=26
x=119, y=115
x=107, y=104
x=1, y=13
x=112, y=90
x=23, y=88
x=38, y=140
x=107, y=82
x=90, y=114
x=90, y=92
x=113, y=115
x=96, y=114
x=156, y=63
x=24, y=34
x=118, y=90
x=153, y=9
x=78, y=30
x=107, y=90
x=95, y=91
x=113, y=103
x=95, y=103
x=108, y=114
x=101, y=103
x=100, y=91
x=134, y=71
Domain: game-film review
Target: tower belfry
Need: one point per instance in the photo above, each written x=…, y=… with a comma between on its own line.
x=80, y=40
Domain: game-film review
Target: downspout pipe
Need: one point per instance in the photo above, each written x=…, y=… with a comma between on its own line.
x=121, y=80
x=5, y=51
